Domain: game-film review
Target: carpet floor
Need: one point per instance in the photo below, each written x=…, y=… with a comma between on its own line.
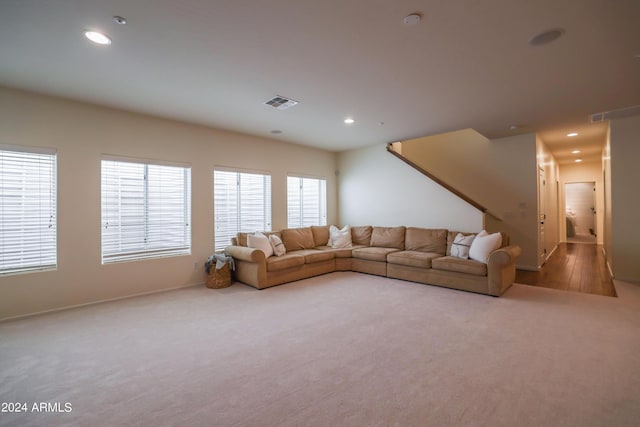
x=344, y=349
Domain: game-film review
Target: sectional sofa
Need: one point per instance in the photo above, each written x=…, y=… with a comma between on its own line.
x=408, y=253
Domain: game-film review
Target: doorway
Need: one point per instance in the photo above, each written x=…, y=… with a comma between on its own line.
x=580, y=212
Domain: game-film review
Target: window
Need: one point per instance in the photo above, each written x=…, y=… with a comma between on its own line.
x=242, y=202
x=27, y=210
x=146, y=210
x=306, y=202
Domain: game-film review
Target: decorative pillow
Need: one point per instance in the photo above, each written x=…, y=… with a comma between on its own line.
x=461, y=245
x=260, y=241
x=340, y=238
x=483, y=245
x=277, y=245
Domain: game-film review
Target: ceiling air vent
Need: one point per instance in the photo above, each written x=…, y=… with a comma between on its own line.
x=281, y=103
x=615, y=114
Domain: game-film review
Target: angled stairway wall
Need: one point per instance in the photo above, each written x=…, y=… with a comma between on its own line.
x=499, y=174
x=375, y=188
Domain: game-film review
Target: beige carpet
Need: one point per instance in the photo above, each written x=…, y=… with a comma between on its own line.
x=344, y=349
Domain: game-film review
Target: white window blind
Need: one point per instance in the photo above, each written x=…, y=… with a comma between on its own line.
x=306, y=202
x=27, y=210
x=242, y=202
x=146, y=210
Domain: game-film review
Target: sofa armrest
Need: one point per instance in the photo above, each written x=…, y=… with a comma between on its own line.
x=501, y=269
x=243, y=253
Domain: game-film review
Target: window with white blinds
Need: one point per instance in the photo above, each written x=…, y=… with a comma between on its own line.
x=146, y=211
x=242, y=202
x=306, y=202
x=27, y=210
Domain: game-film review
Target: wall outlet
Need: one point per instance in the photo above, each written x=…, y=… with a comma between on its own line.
x=195, y=265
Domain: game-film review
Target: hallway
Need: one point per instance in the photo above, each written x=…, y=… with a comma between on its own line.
x=576, y=267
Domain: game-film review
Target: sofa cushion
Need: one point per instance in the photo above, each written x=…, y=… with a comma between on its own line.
x=412, y=258
x=468, y=266
x=388, y=237
x=361, y=235
x=373, y=254
x=295, y=239
x=320, y=235
x=315, y=255
x=426, y=240
x=276, y=263
x=341, y=252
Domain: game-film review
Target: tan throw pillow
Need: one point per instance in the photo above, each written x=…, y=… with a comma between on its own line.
x=260, y=241
x=461, y=245
x=483, y=245
x=340, y=238
x=320, y=235
x=277, y=245
x=426, y=240
x=295, y=239
x=388, y=237
x=361, y=235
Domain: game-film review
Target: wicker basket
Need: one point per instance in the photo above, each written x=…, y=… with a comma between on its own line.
x=219, y=279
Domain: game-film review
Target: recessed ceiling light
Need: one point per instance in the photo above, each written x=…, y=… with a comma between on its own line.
x=572, y=134
x=97, y=37
x=575, y=151
x=546, y=37
x=349, y=121
x=412, y=19
x=120, y=20
x=578, y=160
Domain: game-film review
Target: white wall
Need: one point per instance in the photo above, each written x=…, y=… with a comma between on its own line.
x=82, y=134
x=583, y=172
x=625, y=198
x=606, y=177
x=377, y=188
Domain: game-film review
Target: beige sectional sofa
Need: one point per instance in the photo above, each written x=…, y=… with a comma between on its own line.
x=408, y=253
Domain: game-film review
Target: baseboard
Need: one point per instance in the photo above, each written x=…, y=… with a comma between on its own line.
x=68, y=307
x=527, y=268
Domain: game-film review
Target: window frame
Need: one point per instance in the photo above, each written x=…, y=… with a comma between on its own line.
x=267, y=208
x=149, y=248
x=48, y=258
x=322, y=201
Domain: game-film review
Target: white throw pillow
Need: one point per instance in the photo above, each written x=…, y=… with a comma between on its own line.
x=260, y=241
x=277, y=245
x=461, y=245
x=340, y=237
x=483, y=245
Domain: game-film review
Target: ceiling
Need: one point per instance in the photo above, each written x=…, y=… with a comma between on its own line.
x=467, y=64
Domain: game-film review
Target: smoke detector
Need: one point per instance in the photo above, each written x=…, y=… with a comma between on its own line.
x=281, y=103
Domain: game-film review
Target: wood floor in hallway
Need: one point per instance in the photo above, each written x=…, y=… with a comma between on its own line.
x=576, y=267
